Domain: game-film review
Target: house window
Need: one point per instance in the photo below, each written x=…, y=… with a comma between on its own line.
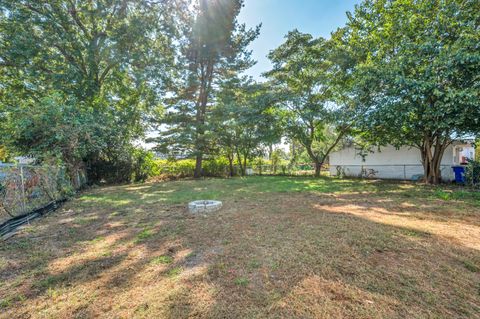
x=462, y=154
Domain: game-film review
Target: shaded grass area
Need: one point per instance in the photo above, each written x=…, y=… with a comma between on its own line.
x=280, y=248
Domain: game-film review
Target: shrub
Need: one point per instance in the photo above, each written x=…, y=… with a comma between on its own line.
x=185, y=168
x=123, y=166
x=216, y=167
x=180, y=168
x=144, y=165
x=472, y=174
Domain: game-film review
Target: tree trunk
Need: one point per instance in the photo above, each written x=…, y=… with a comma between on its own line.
x=318, y=168
x=230, y=164
x=245, y=163
x=294, y=153
x=239, y=160
x=432, y=152
x=201, y=105
x=198, y=166
x=319, y=159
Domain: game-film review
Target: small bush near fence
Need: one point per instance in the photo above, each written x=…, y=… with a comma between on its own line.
x=472, y=174
x=26, y=188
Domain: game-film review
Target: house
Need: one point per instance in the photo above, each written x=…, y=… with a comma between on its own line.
x=396, y=163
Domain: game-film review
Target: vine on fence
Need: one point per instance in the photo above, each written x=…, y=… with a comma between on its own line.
x=26, y=188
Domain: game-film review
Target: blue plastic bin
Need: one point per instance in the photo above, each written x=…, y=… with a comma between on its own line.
x=459, y=174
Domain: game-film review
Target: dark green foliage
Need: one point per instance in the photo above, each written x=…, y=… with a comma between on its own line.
x=55, y=126
x=472, y=174
x=417, y=66
x=126, y=165
x=79, y=79
x=316, y=107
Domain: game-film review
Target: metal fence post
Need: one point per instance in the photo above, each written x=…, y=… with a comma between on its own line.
x=78, y=180
x=22, y=180
x=404, y=172
x=472, y=175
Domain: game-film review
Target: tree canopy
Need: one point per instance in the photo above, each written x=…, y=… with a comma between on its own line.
x=244, y=120
x=417, y=66
x=311, y=96
x=79, y=78
x=82, y=82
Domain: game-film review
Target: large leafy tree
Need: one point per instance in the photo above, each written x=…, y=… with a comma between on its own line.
x=93, y=70
x=212, y=48
x=418, y=66
x=318, y=112
x=244, y=121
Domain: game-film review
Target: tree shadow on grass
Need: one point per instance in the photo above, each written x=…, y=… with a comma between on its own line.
x=312, y=260
x=293, y=256
x=407, y=204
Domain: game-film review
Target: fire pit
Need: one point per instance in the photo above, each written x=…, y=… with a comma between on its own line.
x=204, y=206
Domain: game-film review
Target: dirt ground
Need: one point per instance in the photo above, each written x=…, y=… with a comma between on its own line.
x=280, y=248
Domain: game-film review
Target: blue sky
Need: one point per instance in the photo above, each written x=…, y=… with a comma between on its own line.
x=317, y=17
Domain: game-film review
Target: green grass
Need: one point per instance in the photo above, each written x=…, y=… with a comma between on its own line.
x=5, y=303
x=174, y=272
x=97, y=240
x=48, y=282
x=471, y=266
x=241, y=281
x=144, y=235
x=254, y=264
x=176, y=192
x=162, y=260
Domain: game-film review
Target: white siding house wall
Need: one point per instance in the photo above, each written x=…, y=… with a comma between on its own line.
x=388, y=163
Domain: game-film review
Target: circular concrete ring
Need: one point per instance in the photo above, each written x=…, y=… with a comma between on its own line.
x=204, y=206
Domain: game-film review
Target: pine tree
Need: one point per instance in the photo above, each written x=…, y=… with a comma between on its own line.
x=212, y=47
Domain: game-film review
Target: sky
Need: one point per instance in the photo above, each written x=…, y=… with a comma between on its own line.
x=317, y=17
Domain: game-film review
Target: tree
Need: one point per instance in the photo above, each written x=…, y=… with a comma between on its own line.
x=213, y=47
x=90, y=69
x=417, y=69
x=53, y=125
x=316, y=114
x=244, y=120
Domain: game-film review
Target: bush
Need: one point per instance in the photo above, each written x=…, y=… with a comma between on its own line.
x=216, y=168
x=144, y=165
x=472, y=174
x=124, y=166
x=185, y=168
x=179, y=169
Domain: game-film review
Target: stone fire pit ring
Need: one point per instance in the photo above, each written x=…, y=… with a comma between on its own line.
x=204, y=206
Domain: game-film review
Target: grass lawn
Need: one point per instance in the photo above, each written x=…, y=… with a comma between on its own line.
x=280, y=248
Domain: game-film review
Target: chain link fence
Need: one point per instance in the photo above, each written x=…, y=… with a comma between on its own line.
x=26, y=188
x=394, y=172
x=285, y=169
x=181, y=171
